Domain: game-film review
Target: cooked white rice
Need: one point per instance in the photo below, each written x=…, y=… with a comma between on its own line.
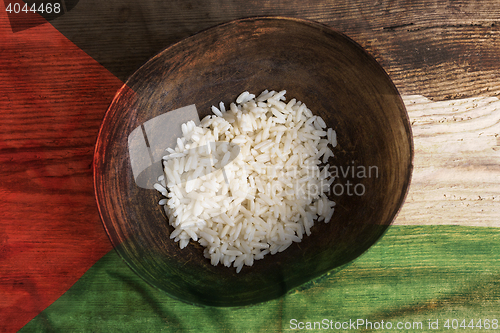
x=263, y=200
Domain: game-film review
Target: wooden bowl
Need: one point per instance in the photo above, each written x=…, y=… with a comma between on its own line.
x=323, y=68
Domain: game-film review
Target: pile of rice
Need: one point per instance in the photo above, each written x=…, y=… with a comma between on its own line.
x=263, y=200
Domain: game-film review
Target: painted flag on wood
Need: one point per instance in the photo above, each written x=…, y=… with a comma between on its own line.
x=52, y=101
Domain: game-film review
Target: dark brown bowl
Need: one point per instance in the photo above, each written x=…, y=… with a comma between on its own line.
x=337, y=80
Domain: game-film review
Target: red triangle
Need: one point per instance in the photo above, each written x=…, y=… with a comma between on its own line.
x=53, y=98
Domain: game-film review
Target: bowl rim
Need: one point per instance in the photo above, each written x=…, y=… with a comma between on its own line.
x=99, y=144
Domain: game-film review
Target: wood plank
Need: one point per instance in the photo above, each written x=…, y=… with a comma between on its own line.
x=53, y=98
x=439, y=49
x=456, y=177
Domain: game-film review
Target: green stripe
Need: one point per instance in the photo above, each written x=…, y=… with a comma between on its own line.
x=412, y=274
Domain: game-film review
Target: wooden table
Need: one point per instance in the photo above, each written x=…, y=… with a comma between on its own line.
x=57, y=80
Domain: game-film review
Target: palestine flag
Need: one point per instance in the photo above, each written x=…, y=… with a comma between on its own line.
x=59, y=273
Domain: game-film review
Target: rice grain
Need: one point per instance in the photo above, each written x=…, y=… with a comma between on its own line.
x=264, y=199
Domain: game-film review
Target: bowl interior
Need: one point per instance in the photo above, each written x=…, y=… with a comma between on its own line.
x=336, y=79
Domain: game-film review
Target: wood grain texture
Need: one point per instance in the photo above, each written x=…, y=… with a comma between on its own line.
x=439, y=49
x=413, y=274
x=456, y=177
x=53, y=97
